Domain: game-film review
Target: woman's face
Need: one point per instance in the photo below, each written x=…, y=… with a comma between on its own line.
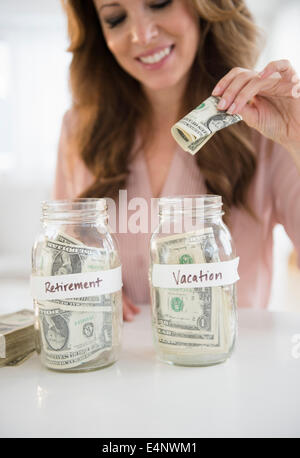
x=155, y=41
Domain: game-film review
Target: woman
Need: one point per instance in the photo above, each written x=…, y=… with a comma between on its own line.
x=138, y=66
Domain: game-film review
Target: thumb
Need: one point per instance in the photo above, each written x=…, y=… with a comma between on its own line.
x=250, y=113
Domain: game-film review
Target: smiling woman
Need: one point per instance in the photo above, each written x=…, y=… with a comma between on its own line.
x=140, y=65
x=204, y=41
x=148, y=36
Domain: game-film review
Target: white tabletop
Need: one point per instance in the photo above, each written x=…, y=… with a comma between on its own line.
x=255, y=393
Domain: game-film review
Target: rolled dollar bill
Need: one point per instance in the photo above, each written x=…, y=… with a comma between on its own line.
x=198, y=126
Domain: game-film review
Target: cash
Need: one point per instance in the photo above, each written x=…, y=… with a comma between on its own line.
x=76, y=332
x=73, y=338
x=191, y=321
x=197, y=127
x=17, y=339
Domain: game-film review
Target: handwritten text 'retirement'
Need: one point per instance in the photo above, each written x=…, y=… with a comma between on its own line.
x=56, y=287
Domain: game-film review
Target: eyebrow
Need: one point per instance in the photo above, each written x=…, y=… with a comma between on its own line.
x=109, y=4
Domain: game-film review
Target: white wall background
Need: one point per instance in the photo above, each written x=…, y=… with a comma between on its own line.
x=34, y=95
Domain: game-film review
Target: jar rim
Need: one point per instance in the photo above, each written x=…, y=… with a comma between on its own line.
x=77, y=203
x=208, y=199
x=208, y=204
x=87, y=209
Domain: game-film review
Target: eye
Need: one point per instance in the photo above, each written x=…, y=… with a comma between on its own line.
x=114, y=20
x=162, y=4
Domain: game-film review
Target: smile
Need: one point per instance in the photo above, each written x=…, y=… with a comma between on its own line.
x=157, y=57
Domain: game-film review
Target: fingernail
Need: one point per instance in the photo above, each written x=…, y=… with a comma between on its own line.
x=222, y=104
x=231, y=109
x=216, y=90
x=295, y=79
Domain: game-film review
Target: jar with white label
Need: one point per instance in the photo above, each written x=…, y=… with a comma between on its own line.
x=76, y=285
x=193, y=275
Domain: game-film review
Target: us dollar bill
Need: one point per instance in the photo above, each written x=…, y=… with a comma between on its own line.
x=105, y=260
x=58, y=258
x=75, y=331
x=72, y=338
x=194, y=319
x=110, y=259
x=197, y=127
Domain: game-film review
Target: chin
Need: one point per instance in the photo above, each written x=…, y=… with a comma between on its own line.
x=160, y=84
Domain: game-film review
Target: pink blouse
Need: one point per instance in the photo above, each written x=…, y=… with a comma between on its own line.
x=274, y=196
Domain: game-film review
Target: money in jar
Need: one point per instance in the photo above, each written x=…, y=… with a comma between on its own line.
x=193, y=274
x=76, y=284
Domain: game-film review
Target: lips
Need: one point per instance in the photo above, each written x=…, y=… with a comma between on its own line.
x=155, y=55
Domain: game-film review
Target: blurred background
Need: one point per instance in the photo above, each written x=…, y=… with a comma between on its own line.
x=33, y=98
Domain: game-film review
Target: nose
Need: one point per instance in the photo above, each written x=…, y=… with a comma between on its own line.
x=143, y=30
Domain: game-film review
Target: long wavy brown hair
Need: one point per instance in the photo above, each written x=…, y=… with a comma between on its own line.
x=108, y=102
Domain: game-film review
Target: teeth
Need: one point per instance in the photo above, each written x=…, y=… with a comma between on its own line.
x=156, y=57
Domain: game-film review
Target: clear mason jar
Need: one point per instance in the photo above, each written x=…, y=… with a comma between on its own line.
x=193, y=275
x=76, y=287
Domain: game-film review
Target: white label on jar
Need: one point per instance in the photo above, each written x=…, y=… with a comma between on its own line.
x=195, y=275
x=76, y=285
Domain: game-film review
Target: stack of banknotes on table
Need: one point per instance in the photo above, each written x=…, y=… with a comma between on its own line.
x=17, y=340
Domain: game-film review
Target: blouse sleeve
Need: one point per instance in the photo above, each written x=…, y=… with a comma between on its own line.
x=62, y=181
x=285, y=185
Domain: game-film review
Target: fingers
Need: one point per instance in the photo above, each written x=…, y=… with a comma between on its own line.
x=239, y=86
x=244, y=95
x=231, y=87
x=287, y=73
x=134, y=308
x=283, y=67
x=127, y=314
x=226, y=80
x=250, y=113
x=129, y=309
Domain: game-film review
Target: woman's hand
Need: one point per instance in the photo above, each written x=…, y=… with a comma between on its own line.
x=268, y=101
x=129, y=309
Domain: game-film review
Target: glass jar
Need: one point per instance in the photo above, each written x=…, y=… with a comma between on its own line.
x=76, y=285
x=193, y=275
